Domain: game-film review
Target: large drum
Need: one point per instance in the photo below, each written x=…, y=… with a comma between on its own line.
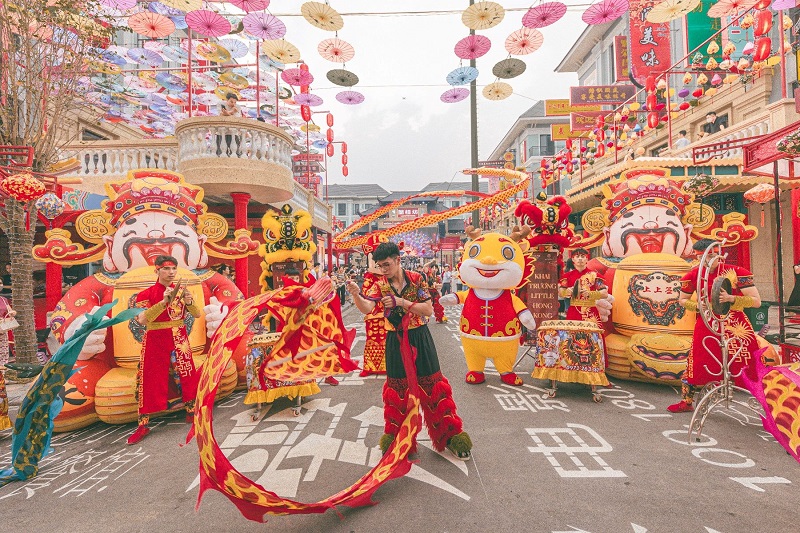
x=570, y=351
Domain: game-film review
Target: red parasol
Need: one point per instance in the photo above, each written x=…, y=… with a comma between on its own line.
x=264, y=26
x=454, y=95
x=524, y=41
x=472, y=46
x=350, y=97
x=723, y=8
x=297, y=77
x=151, y=25
x=605, y=11
x=544, y=15
x=250, y=5
x=208, y=23
x=336, y=50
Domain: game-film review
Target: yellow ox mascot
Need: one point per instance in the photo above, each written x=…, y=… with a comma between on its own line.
x=491, y=321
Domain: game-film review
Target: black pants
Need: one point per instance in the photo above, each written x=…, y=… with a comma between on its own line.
x=427, y=358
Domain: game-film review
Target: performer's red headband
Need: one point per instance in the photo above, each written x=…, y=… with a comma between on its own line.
x=167, y=264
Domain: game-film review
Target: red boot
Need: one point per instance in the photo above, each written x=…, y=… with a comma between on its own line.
x=140, y=433
x=511, y=378
x=330, y=380
x=475, y=378
x=680, y=407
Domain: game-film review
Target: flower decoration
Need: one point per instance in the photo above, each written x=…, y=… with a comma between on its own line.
x=50, y=205
x=22, y=187
x=790, y=145
x=700, y=185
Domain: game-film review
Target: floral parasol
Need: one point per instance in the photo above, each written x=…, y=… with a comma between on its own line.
x=472, y=46
x=723, y=8
x=208, y=23
x=700, y=185
x=322, y=16
x=264, y=26
x=462, y=76
x=454, y=95
x=143, y=56
x=336, y=50
x=234, y=80
x=605, y=11
x=350, y=97
x=119, y=4
x=281, y=50
x=524, y=41
x=311, y=100
x=183, y=5
x=151, y=25
x=668, y=10
x=297, y=77
x=170, y=82
x=213, y=52
x=342, y=77
x=236, y=47
x=250, y=5
x=509, y=68
x=483, y=15
x=497, y=91
x=544, y=15
x=174, y=53
x=790, y=144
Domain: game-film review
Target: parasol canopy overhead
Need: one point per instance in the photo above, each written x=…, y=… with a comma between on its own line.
x=208, y=23
x=454, y=95
x=483, y=15
x=472, y=47
x=462, y=76
x=524, y=41
x=236, y=47
x=143, y=56
x=250, y=5
x=509, y=68
x=668, y=10
x=605, y=11
x=174, y=53
x=336, y=50
x=264, y=26
x=311, y=100
x=119, y=4
x=281, y=50
x=213, y=52
x=322, y=16
x=342, y=77
x=183, y=5
x=237, y=81
x=497, y=91
x=723, y=8
x=297, y=77
x=350, y=97
x=152, y=25
x=544, y=15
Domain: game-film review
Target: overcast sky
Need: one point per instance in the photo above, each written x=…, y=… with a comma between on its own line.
x=403, y=136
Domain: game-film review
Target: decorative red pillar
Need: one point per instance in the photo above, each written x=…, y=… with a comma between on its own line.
x=240, y=200
x=330, y=253
x=53, y=283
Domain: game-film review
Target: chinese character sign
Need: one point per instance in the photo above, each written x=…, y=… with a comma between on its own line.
x=649, y=42
x=621, y=64
x=562, y=108
x=585, y=120
x=600, y=94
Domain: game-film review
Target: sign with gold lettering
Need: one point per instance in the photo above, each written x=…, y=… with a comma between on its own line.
x=562, y=108
x=600, y=94
x=621, y=63
x=584, y=120
x=542, y=289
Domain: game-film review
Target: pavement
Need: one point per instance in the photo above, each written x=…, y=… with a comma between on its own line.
x=540, y=464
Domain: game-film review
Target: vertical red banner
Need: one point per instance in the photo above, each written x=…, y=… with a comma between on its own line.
x=621, y=62
x=649, y=42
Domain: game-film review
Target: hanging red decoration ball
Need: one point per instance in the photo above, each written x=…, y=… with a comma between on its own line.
x=763, y=48
x=344, y=147
x=304, y=67
x=329, y=120
x=601, y=150
x=344, y=159
x=568, y=144
x=329, y=150
x=763, y=23
x=664, y=118
x=345, y=172
x=329, y=135
x=697, y=93
x=23, y=187
x=652, y=119
x=684, y=106
x=305, y=112
x=543, y=163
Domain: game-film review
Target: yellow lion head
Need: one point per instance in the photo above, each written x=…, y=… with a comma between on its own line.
x=495, y=261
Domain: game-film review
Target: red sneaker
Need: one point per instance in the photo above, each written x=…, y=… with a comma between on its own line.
x=330, y=380
x=511, y=378
x=475, y=378
x=680, y=407
x=140, y=433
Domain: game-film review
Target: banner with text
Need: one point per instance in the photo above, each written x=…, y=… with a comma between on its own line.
x=562, y=108
x=621, y=63
x=600, y=94
x=650, y=42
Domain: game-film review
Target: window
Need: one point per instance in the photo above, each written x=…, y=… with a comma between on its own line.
x=355, y=209
x=544, y=145
x=89, y=135
x=456, y=203
x=341, y=210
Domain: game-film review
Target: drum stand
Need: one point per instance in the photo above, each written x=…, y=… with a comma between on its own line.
x=721, y=393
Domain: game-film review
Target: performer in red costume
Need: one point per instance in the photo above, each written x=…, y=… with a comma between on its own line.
x=591, y=288
x=434, y=284
x=375, y=344
x=166, y=369
x=704, y=363
x=406, y=298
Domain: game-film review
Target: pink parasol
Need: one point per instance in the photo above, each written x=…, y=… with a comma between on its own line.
x=723, y=8
x=311, y=100
x=605, y=11
x=472, y=46
x=544, y=15
x=250, y=5
x=336, y=50
x=350, y=97
x=783, y=5
x=151, y=25
x=454, y=95
x=208, y=23
x=119, y=4
x=297, y=77
x=264, y=26
x=524, y=41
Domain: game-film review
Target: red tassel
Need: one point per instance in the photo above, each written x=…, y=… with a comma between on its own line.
x=27, y=220
x=762, y=216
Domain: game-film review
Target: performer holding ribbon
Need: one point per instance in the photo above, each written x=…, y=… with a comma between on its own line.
x=408, y=306
x=705, y=358
x=166, y=370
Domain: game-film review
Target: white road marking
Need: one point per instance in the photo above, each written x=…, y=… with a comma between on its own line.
x=753, y=482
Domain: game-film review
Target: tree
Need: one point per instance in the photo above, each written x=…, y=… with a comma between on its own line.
x=46, y=49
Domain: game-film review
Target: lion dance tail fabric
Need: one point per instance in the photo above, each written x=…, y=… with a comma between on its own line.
x=309, y=327
x=33, y=427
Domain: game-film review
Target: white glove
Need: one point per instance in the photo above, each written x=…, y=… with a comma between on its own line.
x=95, y=342
x=449, y=299
x=526, y=317
x=215, y=312
x=604, y=307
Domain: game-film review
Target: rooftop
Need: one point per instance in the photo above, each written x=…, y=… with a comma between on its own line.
x=483, y=186
x=356, y=190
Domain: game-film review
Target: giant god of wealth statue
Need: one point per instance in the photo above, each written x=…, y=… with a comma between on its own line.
x=149, y=213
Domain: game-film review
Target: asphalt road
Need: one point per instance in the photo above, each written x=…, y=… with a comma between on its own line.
x=539, y=465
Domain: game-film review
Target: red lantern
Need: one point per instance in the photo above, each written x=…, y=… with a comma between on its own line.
x=763, y=23
x=652, y=119
x=344, y=159
x=568, y=144
x=329, y=150
x=344, y=147
x=329, y=119
x=650, y=84
x=330, y=135
x=304, y=89
x=601, y=135
x=601, y=150
x=543, y=164
x=569, y=167
x=664, y=118
x=684, y=106
x=763, y=48
x=22, y=187
x=305, y=112
x=304, y=67
x=697, y=93
x=763, y=4
x=345, y=172
x=651, y=101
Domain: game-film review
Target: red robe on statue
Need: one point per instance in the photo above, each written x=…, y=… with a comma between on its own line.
x=166, y=370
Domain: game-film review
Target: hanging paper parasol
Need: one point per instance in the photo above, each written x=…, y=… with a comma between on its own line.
x=454, y=95
x=723, y=8
x=322, y=16
x=761, y=194
x=208, y=23
x=472, y=46
x=509, y=68
x=342, y=77
x=170, y=82
x=203, y=81
x=336, y=50
x=309, y=128
x=544, y=15
x=213, y=52
x=281, y=50
x=151, y=25
x=183, y=5
x=700, y=185
x=497, y=91
x=462, y=76
x=162, y=9
x=483, y=15
x=206, y=99
x=783, y=5
x=670, y=10
x=250, y=5
x=234, y=80
x=350, y=97
x=119, y=4
x=223, y=91
x=524, y=41
x=175, y=53
x=264, y=26
x=604, y=12
x=236, y=47
x=143, y=56
x=311, y=100
x=297, y=77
